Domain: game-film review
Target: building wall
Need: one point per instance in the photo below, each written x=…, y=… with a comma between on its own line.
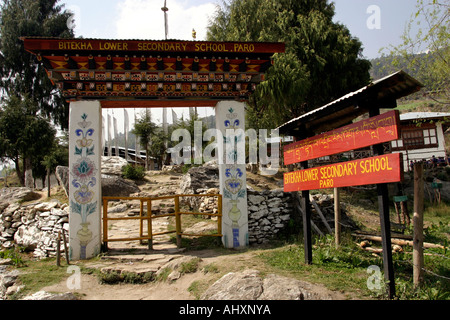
x=424, y=153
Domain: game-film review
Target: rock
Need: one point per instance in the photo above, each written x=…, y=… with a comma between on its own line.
x=173, y=276
x=201, y=228
x=122, y=207
x=15, y=195
x=176, y=263
x=249, y=285
x=116, y=186
x=14, y=289
x=205, y=177
x=281, y=288
x=5, y=262
x=256, y=199
x=246, y=285
x=9, y=279
x=112, y=166
x=42, y=295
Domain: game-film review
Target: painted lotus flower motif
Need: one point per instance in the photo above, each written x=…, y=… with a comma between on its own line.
x=84, y=195
x=83, y=169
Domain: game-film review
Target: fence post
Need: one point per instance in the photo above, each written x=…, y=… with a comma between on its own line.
x=178, y=220
x=418, y=225
x=105, y=225
x=219, y=219
x=337, y=217
x=141, y=222
x=149, y=225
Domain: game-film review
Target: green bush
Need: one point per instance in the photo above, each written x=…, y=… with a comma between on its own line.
x=133, y=173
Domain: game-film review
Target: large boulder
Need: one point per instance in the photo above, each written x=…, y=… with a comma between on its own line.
x=115, y=186
x=199, y=179
x=16, y=195
x=112, y=166
x=251, y=285
x=42, y=295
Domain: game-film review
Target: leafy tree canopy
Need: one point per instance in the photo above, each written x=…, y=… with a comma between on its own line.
x=24, y=136
x=20, y=74
x=323, y=61
x=426, y=52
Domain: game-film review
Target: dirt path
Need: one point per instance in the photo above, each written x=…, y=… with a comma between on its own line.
x=131, y=256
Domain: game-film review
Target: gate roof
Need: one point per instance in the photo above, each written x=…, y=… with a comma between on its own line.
x=141, y=73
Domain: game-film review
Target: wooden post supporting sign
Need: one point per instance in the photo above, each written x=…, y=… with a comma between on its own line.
x=418, y=225
x=380, y=170
x=383, y=207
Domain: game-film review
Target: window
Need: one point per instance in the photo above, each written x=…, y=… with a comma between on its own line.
x=414, y=137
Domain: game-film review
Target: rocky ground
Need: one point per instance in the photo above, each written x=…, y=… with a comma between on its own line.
x=172, y=273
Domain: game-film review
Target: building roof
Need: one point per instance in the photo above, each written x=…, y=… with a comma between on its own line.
x=423, y=115
x=382, y=93
x=147, y=70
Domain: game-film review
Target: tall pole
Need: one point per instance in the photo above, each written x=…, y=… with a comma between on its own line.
x=166, y=25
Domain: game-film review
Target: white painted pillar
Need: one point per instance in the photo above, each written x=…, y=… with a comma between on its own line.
x=230, y=120
x=85, y=142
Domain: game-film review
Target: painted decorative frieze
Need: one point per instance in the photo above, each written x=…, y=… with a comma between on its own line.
x=85, y=184
x=230, y=119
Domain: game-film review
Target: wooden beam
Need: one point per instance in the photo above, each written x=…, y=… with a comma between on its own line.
x=111, y=104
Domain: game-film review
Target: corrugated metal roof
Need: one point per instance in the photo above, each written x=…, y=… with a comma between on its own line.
x=394, y=86
x=423, y=115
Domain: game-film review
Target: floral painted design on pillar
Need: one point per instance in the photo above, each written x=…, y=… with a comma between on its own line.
x=84, y=174
x=230, y=119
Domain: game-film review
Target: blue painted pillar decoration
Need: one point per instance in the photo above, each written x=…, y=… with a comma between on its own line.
x=230, y=120
x=85, y=184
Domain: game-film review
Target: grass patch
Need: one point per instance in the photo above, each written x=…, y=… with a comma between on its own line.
x=36, y=275
x=190, y=267
x=115, y=277
x=346, y=269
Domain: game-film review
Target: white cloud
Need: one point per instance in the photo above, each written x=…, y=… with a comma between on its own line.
x=143, y=19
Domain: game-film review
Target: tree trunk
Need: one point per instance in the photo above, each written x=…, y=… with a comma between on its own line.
x=19, y=173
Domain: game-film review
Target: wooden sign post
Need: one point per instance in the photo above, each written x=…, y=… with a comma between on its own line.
x=380, y=170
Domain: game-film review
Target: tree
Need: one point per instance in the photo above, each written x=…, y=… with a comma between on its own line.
x=20, y=74
x=322, y=60
x=158, y=146
x=24, y=136
x=145, y=129
x=427, y=50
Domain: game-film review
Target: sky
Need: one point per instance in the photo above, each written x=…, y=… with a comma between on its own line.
x=377, y=23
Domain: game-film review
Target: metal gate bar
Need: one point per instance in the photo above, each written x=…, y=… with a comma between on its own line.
x=147, y=216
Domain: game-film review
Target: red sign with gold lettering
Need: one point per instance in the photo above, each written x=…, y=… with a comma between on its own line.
x=382, y=169
x=376, y=130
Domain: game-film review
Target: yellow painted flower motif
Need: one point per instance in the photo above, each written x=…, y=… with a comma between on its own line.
x=84, y=143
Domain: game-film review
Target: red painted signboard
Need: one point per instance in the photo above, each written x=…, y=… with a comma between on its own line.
x=42, y=44
x=381, y=169
x=376, y=130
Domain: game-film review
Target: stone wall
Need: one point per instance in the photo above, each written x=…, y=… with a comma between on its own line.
x=269, y=212
x=34, y=227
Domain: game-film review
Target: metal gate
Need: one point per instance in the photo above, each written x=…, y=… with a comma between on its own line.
x=149, y=217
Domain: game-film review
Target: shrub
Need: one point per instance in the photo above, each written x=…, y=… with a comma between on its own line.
x=134, y=173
